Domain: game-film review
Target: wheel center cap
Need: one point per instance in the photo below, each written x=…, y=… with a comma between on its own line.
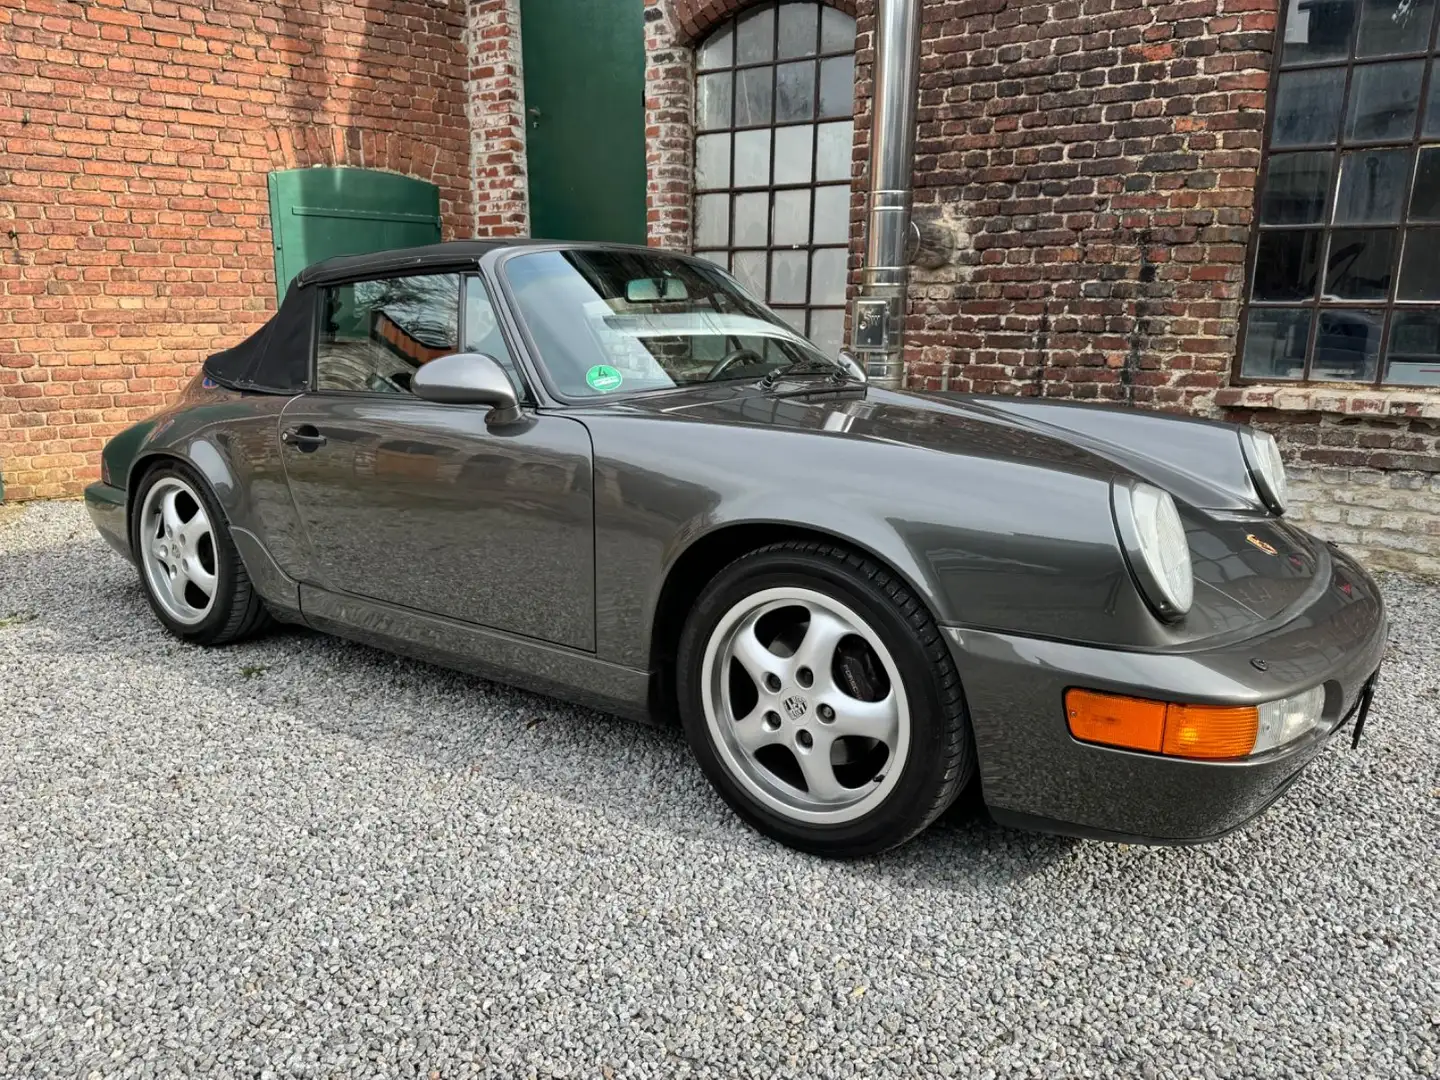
x=795, y=704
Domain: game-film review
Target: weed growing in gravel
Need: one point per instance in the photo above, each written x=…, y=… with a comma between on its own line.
x=17, y=618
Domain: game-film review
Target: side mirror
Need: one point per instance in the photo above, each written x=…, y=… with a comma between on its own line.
x=853, y=367
x=467, y=379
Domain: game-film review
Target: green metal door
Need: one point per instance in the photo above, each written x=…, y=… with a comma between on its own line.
x=319, y=213
x=585, y=118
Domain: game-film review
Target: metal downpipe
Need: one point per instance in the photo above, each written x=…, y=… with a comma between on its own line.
x=878, y=316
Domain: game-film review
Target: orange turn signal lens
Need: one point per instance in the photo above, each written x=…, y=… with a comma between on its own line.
x=1115, y=720
x=1193, y=731
x=1210, y=731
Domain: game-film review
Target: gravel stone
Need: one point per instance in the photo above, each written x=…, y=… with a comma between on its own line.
x=301, y=857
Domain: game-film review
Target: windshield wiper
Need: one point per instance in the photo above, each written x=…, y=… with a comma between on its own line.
x=795, y=367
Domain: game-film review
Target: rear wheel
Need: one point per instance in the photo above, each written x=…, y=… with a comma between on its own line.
x=821, y=702
x=193, y=577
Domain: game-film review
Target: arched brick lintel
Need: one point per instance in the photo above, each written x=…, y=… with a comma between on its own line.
x=696, y=18
x=304, y=146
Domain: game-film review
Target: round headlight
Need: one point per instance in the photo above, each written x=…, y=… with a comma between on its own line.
x=1153, y=537
x=1267, y=467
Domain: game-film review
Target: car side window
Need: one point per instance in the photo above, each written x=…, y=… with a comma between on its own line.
x=374, y=335
x=483, y=334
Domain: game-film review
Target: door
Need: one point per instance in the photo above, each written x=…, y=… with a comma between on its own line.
x=423, y=505
x=320, y=213
x=585, y=118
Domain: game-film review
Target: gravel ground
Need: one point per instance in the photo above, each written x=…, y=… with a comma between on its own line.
x=301, y=857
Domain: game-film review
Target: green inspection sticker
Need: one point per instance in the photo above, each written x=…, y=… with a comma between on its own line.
x=604, y=378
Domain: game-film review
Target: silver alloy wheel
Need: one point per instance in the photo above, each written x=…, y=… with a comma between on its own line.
x=801, y=709
x=177, y=550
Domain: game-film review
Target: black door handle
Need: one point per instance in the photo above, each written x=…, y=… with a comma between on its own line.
x=305, y=438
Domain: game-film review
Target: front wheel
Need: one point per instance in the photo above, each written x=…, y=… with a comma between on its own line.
x=821, y=701
x=193, y=577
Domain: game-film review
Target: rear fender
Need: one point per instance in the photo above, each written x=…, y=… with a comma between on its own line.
x=231, y=444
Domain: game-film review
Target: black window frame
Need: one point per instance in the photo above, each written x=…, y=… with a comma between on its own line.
x=1384, y=310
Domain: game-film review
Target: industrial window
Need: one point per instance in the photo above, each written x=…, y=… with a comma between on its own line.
x=774, y=106
x=1345, y=272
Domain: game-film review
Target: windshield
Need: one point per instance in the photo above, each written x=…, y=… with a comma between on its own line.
x=607, y=322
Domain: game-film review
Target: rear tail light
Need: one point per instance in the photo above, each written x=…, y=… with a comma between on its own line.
x=1203, y=732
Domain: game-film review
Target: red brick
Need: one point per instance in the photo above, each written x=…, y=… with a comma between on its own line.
x=135, y=142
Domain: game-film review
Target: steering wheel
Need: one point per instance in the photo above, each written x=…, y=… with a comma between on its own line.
x=733, y=357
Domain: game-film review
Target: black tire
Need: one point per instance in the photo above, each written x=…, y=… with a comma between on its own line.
x=237, y=611
x=941, y=761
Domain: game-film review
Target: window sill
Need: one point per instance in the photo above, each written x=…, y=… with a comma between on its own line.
x=1409, y=403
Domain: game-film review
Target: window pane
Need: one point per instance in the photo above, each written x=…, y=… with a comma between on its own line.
x=1420, y=266
x=1431, y=126
x=827, y=276
x=787, y=277
x=712, y=161
x=755, y=36
x=1287, y=264
x=752, y=215
x=749, y=270
x=712, y=101
x=832, y=154
x=837, y=86
x=719, y=258
x=1358, y=267
x=752, y=158
x=1394, y=26
x=1372, y=185
x=832, y=215
x=797, y=30
x=792, y=218
x=1297, y=187
x=837, y=31
x=483, y=333
x=1307, y=107
x=1347, y=345
x=794, y=317
x=795, y=92
x=752, y=96
x=1413, y=355
x=1317, y=31
x=827, y=330
x=1275, y=340
x=793, y=146
x=1425, y=198
x=374, y=335
x=1384, y=100
x=712, y=220
x=718, y=50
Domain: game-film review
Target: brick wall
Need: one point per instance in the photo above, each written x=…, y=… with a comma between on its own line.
x=496, y=99
x=135, y=138
x=1096, y=160
x=1365, y=466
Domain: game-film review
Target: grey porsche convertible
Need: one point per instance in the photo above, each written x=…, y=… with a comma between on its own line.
x=612, y=475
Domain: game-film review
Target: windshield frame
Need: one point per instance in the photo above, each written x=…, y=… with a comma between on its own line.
x=540, y=371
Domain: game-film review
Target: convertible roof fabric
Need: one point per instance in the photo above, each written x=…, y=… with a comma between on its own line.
x=276, y=358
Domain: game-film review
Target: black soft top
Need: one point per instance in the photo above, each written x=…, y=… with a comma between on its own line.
x=276, y=358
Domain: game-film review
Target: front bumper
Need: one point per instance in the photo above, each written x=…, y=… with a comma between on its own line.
x=1035, y=775
x=106, y=504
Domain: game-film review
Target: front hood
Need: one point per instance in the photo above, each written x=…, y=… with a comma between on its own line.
x=1198, y=462
x=1248, y=564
